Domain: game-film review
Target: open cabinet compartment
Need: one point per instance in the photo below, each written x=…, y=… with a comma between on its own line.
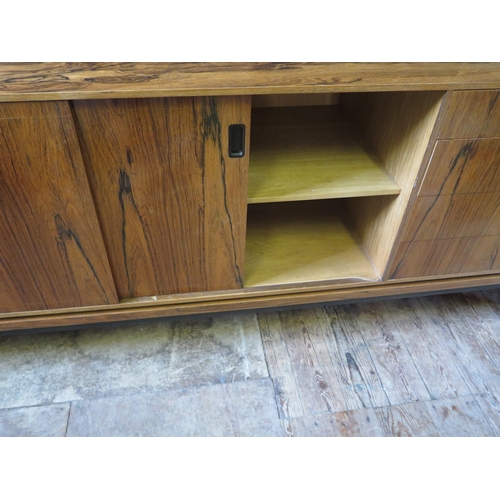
x=359, y=155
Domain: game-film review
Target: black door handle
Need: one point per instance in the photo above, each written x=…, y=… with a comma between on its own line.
x=236, y=141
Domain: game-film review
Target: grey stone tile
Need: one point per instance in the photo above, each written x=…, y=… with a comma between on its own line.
x=36, y=421
x=48, y=368
x=237, y=409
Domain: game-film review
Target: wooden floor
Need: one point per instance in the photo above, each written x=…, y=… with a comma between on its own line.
x=407, y=367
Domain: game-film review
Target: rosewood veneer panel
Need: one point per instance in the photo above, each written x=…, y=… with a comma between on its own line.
x=51, y=251
x=472, y=114
x=463, y=166
x=171, y=203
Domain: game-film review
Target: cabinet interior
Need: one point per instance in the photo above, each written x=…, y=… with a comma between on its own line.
x=330, y=176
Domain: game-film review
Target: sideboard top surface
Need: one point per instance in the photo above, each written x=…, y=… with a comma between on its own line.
x=61, y=81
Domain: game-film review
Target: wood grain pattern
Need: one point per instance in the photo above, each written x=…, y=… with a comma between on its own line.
x=395, y=367
x=330, y=367
x=454, y=216
x=472, y=114
x=407, y=420
x=362, y=376
x=482, y=322
x=291, y=245
x=436, y=365
x=311, y=153
x=352, y=423
x=36, y=81
x=463, y=166
x=452, y=256
x=51, y=250
x=420, y=176
x=460, y=417
x=461, y=341
x=319, y=387
x=280, y=367
x=171, y=203
x=399, y=138
x=455, y=221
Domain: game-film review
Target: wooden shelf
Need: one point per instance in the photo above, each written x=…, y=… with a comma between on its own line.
x=295, y=246
x=311, y=153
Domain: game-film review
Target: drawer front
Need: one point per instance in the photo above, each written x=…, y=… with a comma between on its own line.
x=463, y=166
x=454, y=216
x=472, y=114
x=447, y=257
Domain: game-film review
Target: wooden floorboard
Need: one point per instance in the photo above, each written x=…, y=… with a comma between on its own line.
x=280, y=367
x=362, y=375
x=435, y=363
x=463, y=340
x=460, y=417
x=400, y=378
x=407, y=420
x=354, y=423
x=490, y=406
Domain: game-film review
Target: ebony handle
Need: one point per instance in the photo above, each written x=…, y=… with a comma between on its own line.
x=236, y=141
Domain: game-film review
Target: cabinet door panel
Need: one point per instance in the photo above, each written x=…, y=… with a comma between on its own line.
x=51, y=250
x=171, y=202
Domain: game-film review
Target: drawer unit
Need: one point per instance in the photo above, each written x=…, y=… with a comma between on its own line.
x=454, y=224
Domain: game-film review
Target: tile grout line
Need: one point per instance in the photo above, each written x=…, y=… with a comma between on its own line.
x=134, y=393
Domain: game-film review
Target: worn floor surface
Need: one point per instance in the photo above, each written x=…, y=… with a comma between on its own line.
x=406, y=367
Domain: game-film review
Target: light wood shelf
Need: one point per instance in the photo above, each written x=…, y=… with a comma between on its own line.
x=311, y=153
x=291, y=245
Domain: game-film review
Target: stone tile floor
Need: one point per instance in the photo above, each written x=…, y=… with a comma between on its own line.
x=416, y=367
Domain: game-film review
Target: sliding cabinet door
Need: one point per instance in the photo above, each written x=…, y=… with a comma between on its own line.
x=170, y=197
x=51, y=251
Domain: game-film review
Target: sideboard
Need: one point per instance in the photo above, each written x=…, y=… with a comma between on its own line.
x=146, y=190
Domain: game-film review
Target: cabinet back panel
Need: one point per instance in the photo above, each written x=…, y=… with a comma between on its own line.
x=51, y=251
x=171, y=203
